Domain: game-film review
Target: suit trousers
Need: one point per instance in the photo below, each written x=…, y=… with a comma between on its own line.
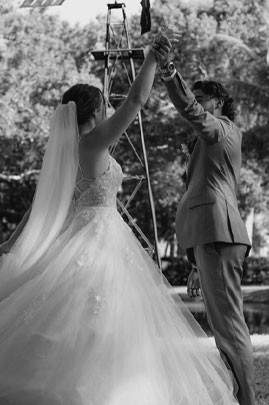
x=220, y=267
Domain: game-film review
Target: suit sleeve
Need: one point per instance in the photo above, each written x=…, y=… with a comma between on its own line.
x=209, y=128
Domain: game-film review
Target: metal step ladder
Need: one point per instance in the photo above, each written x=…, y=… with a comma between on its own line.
x=119, y=53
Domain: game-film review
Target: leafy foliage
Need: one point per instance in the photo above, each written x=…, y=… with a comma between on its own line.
x=40, y=56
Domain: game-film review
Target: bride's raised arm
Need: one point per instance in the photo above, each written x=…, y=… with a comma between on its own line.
x=107, y=132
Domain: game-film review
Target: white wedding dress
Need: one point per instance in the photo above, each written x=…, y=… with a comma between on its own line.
x=93, y=322
x=86, y=318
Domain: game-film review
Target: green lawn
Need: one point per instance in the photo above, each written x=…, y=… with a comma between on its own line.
x=251, y=294
x=261, y=380
x=261, y=361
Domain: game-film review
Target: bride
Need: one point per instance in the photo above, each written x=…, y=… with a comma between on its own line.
x=85, y=316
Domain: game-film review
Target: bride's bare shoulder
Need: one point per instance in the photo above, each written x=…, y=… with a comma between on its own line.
x=93, y=161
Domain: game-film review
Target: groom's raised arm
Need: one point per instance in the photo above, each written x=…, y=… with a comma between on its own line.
x=209, y=127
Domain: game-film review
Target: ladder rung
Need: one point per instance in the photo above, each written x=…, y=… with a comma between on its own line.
x=118, y=96
x=128, y=177
x=115, y=5
x=118, y=53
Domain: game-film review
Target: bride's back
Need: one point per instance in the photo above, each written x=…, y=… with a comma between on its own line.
x=98, y=190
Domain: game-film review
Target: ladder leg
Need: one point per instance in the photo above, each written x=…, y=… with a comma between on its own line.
x=120, y=53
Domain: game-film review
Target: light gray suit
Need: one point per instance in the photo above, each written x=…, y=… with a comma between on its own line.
x=209, y=227
x=208, y=211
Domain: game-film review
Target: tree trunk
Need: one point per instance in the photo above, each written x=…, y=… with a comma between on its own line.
x=250, y=225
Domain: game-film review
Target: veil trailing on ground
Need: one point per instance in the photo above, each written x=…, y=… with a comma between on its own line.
x=52, y=198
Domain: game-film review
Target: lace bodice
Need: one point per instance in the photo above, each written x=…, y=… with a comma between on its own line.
x=100, y=191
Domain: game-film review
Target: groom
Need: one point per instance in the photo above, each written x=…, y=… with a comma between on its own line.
x=208, y=223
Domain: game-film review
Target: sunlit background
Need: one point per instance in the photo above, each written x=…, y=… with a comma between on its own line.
x=83, y=11
x=41, y=55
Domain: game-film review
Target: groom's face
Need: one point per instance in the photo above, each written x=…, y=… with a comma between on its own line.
x=209, y=103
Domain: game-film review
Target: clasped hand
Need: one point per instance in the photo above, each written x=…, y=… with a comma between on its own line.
x=163, y=44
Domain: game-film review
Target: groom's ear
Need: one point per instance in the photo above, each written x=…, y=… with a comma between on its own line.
x=220, y=102
x=95, y=112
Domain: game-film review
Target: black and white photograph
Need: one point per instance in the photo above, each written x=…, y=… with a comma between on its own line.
x=134, y=202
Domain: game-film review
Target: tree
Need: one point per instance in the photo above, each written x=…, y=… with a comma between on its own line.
x=227, y=42
x=40, y=57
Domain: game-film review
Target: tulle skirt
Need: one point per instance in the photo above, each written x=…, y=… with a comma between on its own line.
x=94, y=323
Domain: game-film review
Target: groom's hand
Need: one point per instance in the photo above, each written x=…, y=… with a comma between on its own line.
x=193, y=284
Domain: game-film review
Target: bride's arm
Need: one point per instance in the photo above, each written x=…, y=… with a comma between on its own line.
x=111, y=129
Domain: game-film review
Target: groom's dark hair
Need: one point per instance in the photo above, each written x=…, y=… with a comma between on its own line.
x=216, y=89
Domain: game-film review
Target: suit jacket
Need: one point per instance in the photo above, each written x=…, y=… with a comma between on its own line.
x=208, y=211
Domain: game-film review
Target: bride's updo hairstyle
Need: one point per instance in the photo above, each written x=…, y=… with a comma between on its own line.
x=87, y=98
